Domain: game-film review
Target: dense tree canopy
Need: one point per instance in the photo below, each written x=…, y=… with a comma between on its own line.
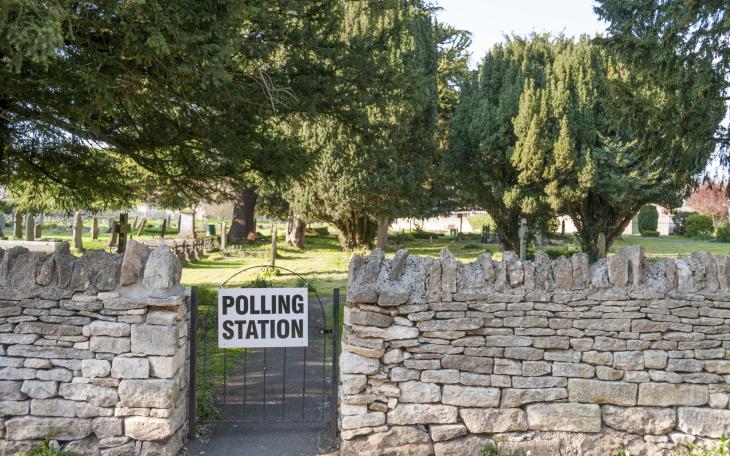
x=99, y=97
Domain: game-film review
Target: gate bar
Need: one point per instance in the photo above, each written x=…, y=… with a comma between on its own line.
x=193, y=341
x=335, y=342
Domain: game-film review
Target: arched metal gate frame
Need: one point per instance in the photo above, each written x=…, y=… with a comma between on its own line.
x=326, y=390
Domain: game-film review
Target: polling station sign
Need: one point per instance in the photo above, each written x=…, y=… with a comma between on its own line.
x=262, y=317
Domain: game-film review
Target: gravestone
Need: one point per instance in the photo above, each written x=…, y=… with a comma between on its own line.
x=95, y=228
x=2, y=225
x=18, y=226
x=523, y=239
x=38, y=233
x=29, y=228
x=78, y=231
x=123, y=230
x=187, y=223
x=110, y=223
x=540, y=241
x=114, y=227
x=601, y=245
x=164, y=227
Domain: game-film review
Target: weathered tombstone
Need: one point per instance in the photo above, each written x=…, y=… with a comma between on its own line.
x=95, y=228
x=29, y=228
x=539, y=240
x=523, y=239
x=38, y=233
x=123, y=230
x=601, y=245
x=224, y=239
x=2, y=225
x=110, y=223
x=187, y=223
x=77, y=243
x=179, y=220
x=164, y=228
x=18, y=226
x=114, y=227
x=142, y=224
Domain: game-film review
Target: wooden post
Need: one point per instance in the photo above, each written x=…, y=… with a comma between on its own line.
x=95, y=228
x=273, y=244
x=164, y=228
x=142, y=224
x=77, y=243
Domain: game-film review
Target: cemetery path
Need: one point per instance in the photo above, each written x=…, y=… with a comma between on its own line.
x=299, y=427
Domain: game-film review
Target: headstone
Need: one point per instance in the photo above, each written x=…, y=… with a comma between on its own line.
x=37, y=231
x=29, y=228
x=142, y=224
x=114, y=227
x=523, y=239
x=164, y=227
x=123, y=230
x=187, y=223
x=179, y=219
x=18, y=226
x=2, y=225
x=77, y=243
x=95, y=228
x=110, y=223
x=539, y=240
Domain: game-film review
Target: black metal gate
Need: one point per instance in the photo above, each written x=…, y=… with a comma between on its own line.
x=265, y=385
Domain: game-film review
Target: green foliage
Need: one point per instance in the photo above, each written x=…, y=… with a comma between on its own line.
x=721, y=449
x=648, y=218
x=478, y=221
x=495, y=450
x=321, y=230
x=679, y=219
x=650, y=233
x=723, y=233
x=45, y=449
x=699, y=226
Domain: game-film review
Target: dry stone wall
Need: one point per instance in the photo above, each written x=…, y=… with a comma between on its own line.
x=93, y=351
x=548, y=356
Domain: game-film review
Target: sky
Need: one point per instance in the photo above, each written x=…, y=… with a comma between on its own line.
x=489, y=20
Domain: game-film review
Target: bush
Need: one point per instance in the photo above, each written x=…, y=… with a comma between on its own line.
x=420, y=234
x=648, y=219
x=650, y=233
x=321, y=230
x=723, y=233
x=699, y=226
x=680, y=222
x=477, y=221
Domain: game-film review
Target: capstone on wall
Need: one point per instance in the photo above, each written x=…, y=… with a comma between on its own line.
x=93, y=351
x=548, y=356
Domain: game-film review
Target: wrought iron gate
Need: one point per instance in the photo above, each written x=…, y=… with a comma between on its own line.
x=265, y=385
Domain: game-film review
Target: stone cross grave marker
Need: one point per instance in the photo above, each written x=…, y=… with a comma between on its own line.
x=78, y=231
x=30, y=228
x=123, y=230
x=523, y=239
x=18, y=226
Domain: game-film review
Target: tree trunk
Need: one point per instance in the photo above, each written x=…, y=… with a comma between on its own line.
x=382, y=239
x=244, y=221
x=356, y=231
x=295, y=230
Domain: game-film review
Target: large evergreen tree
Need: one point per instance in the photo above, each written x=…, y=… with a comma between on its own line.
x=373, y=156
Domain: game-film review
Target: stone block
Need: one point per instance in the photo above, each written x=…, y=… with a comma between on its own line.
x=53, y=407
x=105, y=427
x=39, y=389
x=365, y=420
x=440, y=376
x=600, y=392
x=92, y=368
x=148, y=428
x=470, y=396
x=479, y=420
x=123, y=367
x=159, y=340
x=561, y=369
x=107, y=344
x=467, y=445
x=639, y=420
x=443, y=432
x=512, y=397
x=10, y=390
x=96, y=395
x=166, y=366
x=352, y=363
x=156, y=393
x=703, y=421
x=107, y=328
x=655, y=359
x=474, y=364
x=162, y=270
x=37, y=428
x=668, y=394
x=422, y=414
x=564, y=417
x=418, y=392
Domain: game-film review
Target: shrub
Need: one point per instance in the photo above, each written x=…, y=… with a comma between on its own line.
x=699, y=225
x=477, y=221
x=45, y=449
x=650, y=233
x=321, y=230
x=680, y=222
x=723, y=233
x=420, y=234
x=648, y=218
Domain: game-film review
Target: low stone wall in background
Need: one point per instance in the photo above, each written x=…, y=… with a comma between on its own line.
x=93, y=351
x=553, y=356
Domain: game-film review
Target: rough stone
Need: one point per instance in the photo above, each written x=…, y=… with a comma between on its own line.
x=157, y=393
x=470, y=396
x=130, y=367
x=564, y=417
x=422, y=414
x=639, y=420
x=157, y=340
x=667, y=394
x=480, y=420
x=703, y=421
x=601, y=392
x=162, y=270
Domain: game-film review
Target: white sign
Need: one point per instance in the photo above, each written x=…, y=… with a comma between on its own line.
x=262, y=317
